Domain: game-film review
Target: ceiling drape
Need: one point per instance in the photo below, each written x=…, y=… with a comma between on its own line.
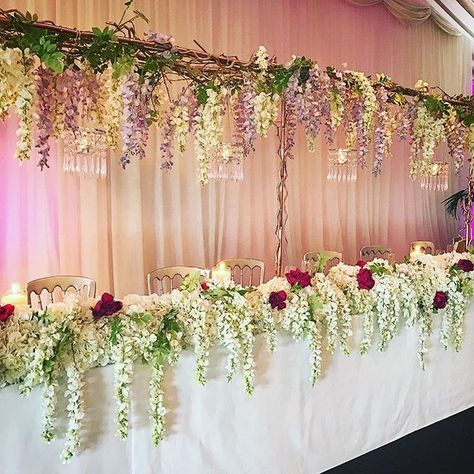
x=453, y=17
x=139, y=219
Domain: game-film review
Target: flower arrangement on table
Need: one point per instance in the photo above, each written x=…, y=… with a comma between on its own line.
x=67, y=339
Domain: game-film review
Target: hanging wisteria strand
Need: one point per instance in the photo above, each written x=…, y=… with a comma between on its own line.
x=383, y=132
x=316, y=104
x=45, y=106
x=135, y=128
x=245, y=130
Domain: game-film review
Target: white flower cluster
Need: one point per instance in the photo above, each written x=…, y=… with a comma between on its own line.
x=428, y=132
x=261, y=58
x=266, y=111
x=180, y=122
x=208, y=130
x=364, y=87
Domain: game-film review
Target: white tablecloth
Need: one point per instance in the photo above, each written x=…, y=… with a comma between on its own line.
x=286, y=427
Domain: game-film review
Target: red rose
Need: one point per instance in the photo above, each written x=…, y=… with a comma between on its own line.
x=204, y=286
x=277, y=299
x=465, y=265
x=365, y=279
x=440, y=300
x=107, y=306
x=6, y=311
x=297, y=277
x=361, y=263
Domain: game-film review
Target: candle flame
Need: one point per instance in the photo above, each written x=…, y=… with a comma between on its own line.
x=16, y=288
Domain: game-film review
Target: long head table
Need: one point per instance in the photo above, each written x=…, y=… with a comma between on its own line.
x=286, y=426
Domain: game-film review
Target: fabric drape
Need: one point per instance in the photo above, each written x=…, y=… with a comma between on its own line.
x=453, y=17
x=118, y=230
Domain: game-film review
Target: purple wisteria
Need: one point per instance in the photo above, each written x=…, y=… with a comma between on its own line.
x=382, y=133
x=245, y=130
x=294, y=112
x=317, y=105
x=45, y=107
x=135, y=110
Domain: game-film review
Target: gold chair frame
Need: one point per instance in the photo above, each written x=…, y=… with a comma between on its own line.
x=63, y=282
x=424, y=245
x=370, y=252
x=170, y=273
x=242, y=263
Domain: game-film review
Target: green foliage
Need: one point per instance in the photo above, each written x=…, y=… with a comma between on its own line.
x=378, y=268
x=453, y=202
x=435, y=106
x=191, y=282
x=65, y=340
x=104, y=49
x=49, y=53
x=46, y=46
x=314, y=305
x=320, y=262
x=115, y=330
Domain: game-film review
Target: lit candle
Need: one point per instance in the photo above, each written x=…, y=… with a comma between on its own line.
x=15, y=296
x=221, y=273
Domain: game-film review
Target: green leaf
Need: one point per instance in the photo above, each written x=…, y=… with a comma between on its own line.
x=115, y=330
x=453, y=202
x=191, y=282
x=202, y=95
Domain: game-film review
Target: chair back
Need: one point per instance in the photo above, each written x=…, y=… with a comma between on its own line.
x=246, y=271
x=460, y=246
x=166, y=279
x=312, y=259
x=369, y=252
x=64, y=282
x=424, y=246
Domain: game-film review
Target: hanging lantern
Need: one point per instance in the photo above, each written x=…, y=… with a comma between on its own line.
x=342, y=165
x=435, y=177
x=85, y=152
x=226, y=165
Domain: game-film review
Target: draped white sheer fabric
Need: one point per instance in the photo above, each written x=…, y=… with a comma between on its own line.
x=453, y=17
x=143, y=218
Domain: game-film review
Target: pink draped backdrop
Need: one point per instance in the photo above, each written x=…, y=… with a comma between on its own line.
x=119, y=229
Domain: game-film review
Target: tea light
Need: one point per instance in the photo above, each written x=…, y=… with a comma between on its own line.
x=221, y=273
x=15, y=296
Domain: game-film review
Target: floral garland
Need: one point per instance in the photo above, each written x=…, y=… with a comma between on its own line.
x=69, y=338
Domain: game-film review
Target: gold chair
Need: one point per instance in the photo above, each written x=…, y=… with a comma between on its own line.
x=63, y=282
x=369, y=252
x=460, y=246
x=254, y=275
x=315, y=259
x=168, y=278
x=423, y=246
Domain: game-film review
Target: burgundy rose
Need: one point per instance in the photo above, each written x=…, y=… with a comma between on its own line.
x=297, y=277
x=465, y=265
x=365, y=279
x=277, y=299
x=204, y=286
x=6, y=311
x=440, y=300
x=361, y=263
x=107, y=306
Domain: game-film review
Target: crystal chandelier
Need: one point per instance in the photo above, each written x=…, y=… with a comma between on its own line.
x=226, y=165
x=342, y=165
x=435, y=176
x=85, y=152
